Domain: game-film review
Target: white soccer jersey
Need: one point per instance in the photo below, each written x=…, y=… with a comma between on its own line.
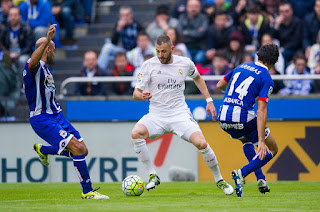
x=166, y=83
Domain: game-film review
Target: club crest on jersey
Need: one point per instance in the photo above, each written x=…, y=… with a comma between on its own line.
x=49, y=83
x=180, y=72
x=63, y=133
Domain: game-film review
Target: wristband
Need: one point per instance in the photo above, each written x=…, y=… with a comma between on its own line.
x=209, y=99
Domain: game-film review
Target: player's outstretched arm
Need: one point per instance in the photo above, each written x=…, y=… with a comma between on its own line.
x=198, y=80
x=37, y=54
x=222, y=84
x=140, y=95
x=261, y=124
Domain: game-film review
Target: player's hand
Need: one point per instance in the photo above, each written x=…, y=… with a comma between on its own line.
x=120, y=24
x=51, y=32
x=211, y=109
x=262, y=149
x=146, y=95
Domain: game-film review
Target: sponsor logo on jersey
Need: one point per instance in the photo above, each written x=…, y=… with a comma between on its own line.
x=237, y=126
x=169, y=86
x=24, y=72
x=234, y=101
x=180, y=72
x=63, y=133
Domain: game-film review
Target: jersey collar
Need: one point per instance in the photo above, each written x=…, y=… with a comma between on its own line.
x=260, y=64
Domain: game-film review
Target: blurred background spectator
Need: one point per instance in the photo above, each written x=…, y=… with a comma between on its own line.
x=219, y=66
x=144, y=47
x=177, y=41
x=4, y=10
x=212, y=8
x=253, y=27
x=8, y=78
x=297, y=87
x=193, y=27
x=88, y=7
x=235, y=49
x=90, y=69
x=288, y=30
x=125, y=30
x=121, y=68
x=37, y=14
x=311, y=28
x=66, y=12
x=217, y=34
x=18, y=38
x=162, y=22
x=280, y=64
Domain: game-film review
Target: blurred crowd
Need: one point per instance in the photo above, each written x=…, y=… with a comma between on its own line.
x=217, y=35
x=23, y=22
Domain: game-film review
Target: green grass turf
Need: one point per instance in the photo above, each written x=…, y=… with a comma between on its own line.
x=177, y=196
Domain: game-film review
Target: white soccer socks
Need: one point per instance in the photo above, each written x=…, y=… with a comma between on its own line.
x=212, y=162
x=140, y=147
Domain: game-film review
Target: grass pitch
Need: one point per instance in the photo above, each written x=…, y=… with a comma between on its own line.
x=175, y=196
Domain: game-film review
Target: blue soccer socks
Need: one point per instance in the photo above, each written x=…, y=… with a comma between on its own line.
x=81, y=168
x=255, y=164
x=48, y=150
x=250, y=152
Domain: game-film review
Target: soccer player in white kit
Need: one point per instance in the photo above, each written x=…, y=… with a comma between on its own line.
x=162, y=81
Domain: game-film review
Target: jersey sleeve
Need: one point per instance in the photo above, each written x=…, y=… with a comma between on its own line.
x=32, y=71
x=266, y=89
x=143, y=76
x=193, y=71
x=228, y=76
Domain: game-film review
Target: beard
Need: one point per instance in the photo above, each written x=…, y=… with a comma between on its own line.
x=50, y=60
x=168, y=58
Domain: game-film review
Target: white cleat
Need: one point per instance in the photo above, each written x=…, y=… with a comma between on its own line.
x=263, y=186
x=239, y=181
x=154, y=180
x=225, y=187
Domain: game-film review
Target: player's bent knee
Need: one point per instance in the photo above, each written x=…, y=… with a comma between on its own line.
x=76, y=147
x=138, y=133
x=274, y=150
x=203, y=145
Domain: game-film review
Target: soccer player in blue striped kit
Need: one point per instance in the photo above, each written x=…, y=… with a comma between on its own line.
x=46, y=117
x=249, y=82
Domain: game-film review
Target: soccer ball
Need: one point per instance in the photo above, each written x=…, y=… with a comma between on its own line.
x=132, y=186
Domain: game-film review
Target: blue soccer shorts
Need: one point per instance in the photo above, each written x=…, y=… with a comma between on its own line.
x=54, y=129
x=243, y=130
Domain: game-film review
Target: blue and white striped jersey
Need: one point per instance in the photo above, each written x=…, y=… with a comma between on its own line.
x=248, y=82
x=40, y=90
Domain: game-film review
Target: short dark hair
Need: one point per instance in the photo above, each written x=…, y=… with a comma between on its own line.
x=163, y=39
x=221, y=54
x=299, y=55
x=162, y=9
x=285, y=2
x=253, y=9
x=268, y=54
x=143, y=33
x=120, y=54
